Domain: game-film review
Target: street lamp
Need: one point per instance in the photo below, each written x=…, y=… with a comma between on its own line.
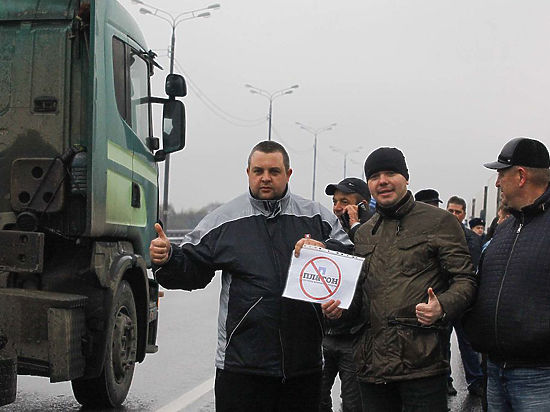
x=271, y=97
x=345, y=153
x=173, y=21
x=315, y=132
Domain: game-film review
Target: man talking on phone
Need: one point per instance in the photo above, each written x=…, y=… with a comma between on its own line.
x=350, y=203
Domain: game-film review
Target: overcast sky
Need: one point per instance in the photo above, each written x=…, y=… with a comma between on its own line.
x=447, y=82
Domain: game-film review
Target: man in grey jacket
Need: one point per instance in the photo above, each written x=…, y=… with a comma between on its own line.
x=269, y=347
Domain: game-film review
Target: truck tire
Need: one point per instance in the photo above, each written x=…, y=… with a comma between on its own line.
x=110, y=388
x=8, y=379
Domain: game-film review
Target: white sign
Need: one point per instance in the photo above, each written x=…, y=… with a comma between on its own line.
x=320, y=275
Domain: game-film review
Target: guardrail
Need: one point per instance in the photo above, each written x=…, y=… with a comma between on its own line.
x=177, y=235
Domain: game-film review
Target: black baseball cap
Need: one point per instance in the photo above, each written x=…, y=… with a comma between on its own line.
x=350, y=185
x=522, y=151
x=427, y=195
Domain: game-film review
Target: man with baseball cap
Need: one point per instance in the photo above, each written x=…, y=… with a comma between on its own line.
x=417, y=276
x=350, y=203
x=510, y=320
x=350, y=200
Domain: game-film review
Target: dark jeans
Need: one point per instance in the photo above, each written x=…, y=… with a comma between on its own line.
x=415, y=395
x=471, y=360
x=518, y=389
x=240, y=392
x=338, y=356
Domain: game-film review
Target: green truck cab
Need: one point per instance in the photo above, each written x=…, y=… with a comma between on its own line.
x=78, y=194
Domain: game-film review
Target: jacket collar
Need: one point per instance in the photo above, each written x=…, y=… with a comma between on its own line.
x=270, y=208
x=399, y=210
x=538, y=206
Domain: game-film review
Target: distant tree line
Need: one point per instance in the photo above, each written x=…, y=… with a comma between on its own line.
x=188, y=219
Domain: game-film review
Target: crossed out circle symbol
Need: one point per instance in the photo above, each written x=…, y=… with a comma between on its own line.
x=320, y=278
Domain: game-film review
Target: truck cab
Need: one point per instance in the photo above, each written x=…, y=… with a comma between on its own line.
x=79, y=194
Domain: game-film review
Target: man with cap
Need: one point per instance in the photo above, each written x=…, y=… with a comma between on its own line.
x=510, y=320
x=477, y=225
x=350, y=200
x=429, y=196
x=350, y=203
x=417, y=276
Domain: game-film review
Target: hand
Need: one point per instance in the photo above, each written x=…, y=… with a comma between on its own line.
x=428, y=313
x=306, y=241
x=331, y=309
x=353, y=213
x=159, y=249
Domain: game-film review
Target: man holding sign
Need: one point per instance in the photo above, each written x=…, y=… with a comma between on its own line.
x=416, y=277
x=269, y=347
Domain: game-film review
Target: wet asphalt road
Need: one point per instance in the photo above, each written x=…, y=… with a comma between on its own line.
x=165, y=381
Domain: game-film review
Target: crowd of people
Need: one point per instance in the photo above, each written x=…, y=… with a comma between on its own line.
x=424, y=274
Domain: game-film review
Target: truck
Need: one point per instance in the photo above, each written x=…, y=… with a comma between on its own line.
x=79, y=195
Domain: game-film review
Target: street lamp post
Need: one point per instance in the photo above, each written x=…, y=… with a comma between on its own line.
x=345, y=153
x=173, y=21
x=271, y=97
x=362, y=168
x=315, y=133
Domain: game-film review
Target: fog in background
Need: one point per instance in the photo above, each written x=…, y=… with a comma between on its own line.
x=447, y=82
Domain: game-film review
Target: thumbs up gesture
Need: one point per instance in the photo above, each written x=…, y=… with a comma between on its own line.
x=159, y=249
x=428, y=313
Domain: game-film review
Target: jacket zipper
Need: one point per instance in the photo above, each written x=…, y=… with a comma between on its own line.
x=319, y=321
x=502, y=281
x=241, y=321
x=283, y=356
x=276, y=265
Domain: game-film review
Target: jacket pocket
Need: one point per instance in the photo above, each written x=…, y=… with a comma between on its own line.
x=365, y=251
x=414, y=254
x=241, y=320
x=420, y=347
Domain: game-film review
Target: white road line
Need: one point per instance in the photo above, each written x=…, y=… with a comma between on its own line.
x=188, y=398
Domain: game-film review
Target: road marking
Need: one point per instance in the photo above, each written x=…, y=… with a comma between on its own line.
x=188, y=398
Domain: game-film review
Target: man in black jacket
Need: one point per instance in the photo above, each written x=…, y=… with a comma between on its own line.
x=510, y=320
x=470, y=359
x=269, y=347
x=347, y=197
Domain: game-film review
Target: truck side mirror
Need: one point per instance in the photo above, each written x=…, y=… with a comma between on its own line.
x=175, y=86
x=173, y=126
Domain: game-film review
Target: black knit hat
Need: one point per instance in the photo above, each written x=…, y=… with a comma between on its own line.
x=522, y=151
x=386, y=158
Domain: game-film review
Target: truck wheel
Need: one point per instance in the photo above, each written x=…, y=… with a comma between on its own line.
x=111, y=387
x=8, y=379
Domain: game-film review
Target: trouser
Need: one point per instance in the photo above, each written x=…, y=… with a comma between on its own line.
x=415, y=395
x=470, y=358
x=240, y=392
x=517, y=389
x=338, y=357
